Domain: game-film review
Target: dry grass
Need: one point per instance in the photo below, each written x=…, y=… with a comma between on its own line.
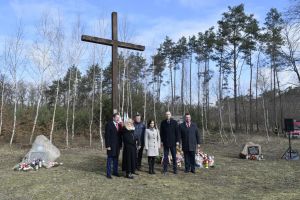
x=83, y=176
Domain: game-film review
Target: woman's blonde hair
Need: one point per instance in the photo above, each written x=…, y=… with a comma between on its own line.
x=129, y=124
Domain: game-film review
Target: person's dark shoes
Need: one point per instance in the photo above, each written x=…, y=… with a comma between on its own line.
x=117, y=175
x=193, y=171
x=129, y=176
x=174, y=172
x=153, y=172
x=109, y=176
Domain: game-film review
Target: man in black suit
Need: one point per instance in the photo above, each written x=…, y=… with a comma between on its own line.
x=113, y=144
x=169, y=140
x=190, y=141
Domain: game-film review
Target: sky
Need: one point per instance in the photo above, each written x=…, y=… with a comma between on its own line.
x=148, y=21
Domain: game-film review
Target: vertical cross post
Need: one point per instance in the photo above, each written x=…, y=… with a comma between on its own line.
x=115, y=71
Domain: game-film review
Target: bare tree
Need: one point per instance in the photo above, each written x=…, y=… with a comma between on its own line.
x=154, y=89
x=123, y=86
x=146, y=82
x=292, y=47
x=256, y=86
x=15, y=59
x=263, y=87
x=92, y=108
x=3, y=82
x=58, y=62
x=93, y=58
x=40, y=56
x=230, y=123
x=75, y=53
x=218, y=93
x=125, y=35
x=68, y=107
x=102, y=51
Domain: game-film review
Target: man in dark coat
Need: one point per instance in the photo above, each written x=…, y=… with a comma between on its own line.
x=169, y=139
x=139, y=133
x=190, y=141
x=113, y=143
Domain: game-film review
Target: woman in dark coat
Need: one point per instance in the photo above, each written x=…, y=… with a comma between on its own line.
x=129, y=150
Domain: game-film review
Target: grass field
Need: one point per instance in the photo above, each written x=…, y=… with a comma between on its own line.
x=83, y=176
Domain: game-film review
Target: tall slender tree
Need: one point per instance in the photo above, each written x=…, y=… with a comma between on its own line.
x=181, y=54
x=191, y=50
x=15, y=58
x=248, y=47
x=234, y=22
x=274, y=40
x=166, y=51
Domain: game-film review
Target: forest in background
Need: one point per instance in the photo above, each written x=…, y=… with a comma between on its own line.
x=78, y=102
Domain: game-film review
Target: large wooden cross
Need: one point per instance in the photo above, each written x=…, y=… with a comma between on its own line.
x=114, y=43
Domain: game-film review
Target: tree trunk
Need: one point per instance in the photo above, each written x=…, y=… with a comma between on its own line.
x=250, y=98
x=123, y=89
x=2, y=103
x=15, y=111
x=172, y=95
x=37, y=112
x=256, y=92
x=191, y=60
x=265, y=117
x=176, y=107
x=119, y=88
x=145, y=101
x=182, y=87
x=220, y=103
x=274, y=93
x=235, y=87
x=130, y=100
x=198, y=91
x=207, y=95
x=204, y=97
x=154, y=98
x=296, y=70
x=280, y=104
x=68, y=108
x=74, y=104
x=229, y=120
x=245, y=114
x=100, y=111
x=54, y=111
x=127, y=94
x=92, y=109
x=202, y=112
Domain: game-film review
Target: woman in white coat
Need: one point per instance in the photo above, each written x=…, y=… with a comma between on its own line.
x=152, y=144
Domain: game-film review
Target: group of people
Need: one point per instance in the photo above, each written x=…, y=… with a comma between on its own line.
x=134, y=137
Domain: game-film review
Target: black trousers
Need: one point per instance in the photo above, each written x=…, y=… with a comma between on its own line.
x=166, y=158
x=189, y=160
x=151, y=162
x=139, y=157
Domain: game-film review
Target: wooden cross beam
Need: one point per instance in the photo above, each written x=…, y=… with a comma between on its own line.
x=114, y=43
